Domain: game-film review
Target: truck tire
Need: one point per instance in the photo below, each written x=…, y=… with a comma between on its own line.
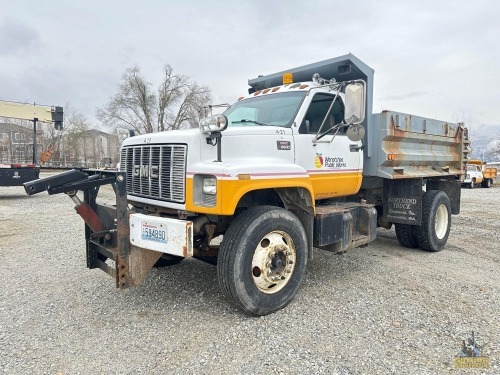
x=486, y=183
x=471, y=185
x=433, y=233
x=405, y=234
x=262, y=260
x=167, y=261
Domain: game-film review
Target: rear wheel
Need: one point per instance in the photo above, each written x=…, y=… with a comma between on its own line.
x=262, y=260
x=433, y=233
x=405, y=234
x=486, y=183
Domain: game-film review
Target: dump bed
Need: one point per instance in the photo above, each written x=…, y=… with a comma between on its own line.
x=407, y=146
x=490, y=172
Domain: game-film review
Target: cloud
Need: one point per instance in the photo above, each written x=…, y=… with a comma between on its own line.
x=16, y=37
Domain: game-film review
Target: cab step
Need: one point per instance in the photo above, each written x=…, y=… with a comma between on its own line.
x=342, y=226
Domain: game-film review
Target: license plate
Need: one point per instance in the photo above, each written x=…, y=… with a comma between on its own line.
x=154, y=232
x=166, y=235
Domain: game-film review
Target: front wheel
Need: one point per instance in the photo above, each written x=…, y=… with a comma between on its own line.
x=433, y=233
x=262, y=260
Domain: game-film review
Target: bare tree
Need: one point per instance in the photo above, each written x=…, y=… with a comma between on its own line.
x=170, y=92
x=133, y=104
x=191, y=108
x=136, y=105
x=76, y=126
x=494, y=147
x=68, y=142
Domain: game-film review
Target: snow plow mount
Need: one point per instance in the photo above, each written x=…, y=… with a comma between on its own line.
x=107, y=231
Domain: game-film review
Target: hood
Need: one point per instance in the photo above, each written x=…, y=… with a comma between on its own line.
x=174, y=136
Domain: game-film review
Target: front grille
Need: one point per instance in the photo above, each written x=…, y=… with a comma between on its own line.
x=155, y=171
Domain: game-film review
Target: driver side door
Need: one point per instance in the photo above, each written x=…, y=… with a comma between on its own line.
x=334, y=163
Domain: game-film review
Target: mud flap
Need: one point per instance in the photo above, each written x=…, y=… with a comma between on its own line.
x=402, y=201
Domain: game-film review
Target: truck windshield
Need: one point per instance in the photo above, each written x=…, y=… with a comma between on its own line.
x=471, y=168
x=272, y=110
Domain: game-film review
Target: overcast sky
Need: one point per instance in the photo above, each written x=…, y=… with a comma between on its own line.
x=437, y=59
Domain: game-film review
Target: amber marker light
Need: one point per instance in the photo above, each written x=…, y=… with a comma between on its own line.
x=243, y=177
x=287, y=78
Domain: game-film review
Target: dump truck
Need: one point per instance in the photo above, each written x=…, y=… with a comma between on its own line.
x=15, y=169
x=298, y=165
x=479, y=173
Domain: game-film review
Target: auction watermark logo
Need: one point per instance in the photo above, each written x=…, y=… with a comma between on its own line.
x=470, y=355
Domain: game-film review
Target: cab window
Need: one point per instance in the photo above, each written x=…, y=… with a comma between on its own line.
x=317, y=112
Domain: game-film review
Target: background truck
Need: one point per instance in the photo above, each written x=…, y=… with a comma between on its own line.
x=14, y=169
x=477, y=172
x=300, y=163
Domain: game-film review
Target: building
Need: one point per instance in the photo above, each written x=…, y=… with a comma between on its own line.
x=16, y=143
x=98, y=149
x=86, y=149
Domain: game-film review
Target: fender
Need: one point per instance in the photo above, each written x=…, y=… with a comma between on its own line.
x=233, y=182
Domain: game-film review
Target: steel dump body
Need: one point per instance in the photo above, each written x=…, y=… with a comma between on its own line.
x=490, y=172
x=407, y=146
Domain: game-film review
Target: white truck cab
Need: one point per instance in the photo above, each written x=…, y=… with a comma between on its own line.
x=473, y=175
x=293, y=135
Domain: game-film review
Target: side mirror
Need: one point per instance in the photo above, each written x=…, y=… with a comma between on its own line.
x=355, y=103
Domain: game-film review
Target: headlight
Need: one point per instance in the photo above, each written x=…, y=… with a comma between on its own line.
x=210, y=185
x=215, y=123
x=467, y=176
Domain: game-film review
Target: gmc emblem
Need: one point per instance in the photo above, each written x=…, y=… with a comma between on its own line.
x=146, y=171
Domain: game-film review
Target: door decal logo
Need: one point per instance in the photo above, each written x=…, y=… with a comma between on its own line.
x=329, y=162
x=318, y=160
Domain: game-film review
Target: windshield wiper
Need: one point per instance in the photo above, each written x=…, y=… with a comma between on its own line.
x=243, y=120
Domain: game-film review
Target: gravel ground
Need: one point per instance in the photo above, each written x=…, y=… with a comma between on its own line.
x=378, y=310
